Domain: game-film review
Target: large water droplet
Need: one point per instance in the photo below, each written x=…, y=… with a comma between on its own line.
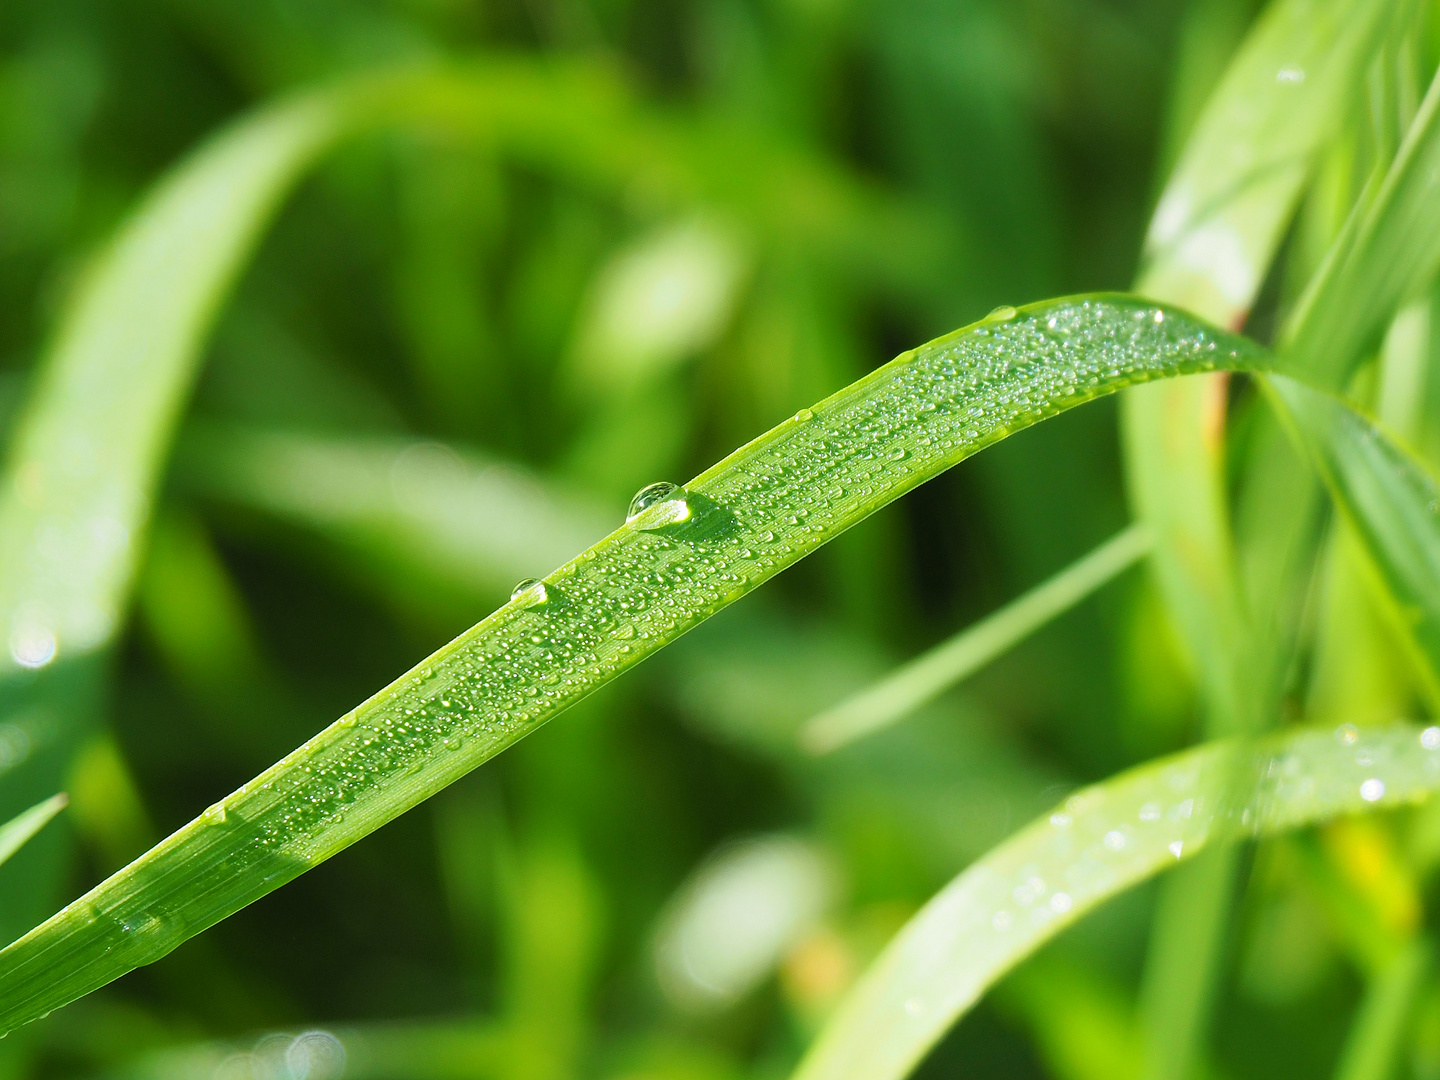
x=657, y=505
x=530, y=593
x=1003, y=313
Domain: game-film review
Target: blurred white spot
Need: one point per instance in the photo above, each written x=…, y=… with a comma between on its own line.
x=1430, y=738
x=1060, y=903
x=1002, y=920
x=1170, y=216
x=1291, y=75
x=731, y=924
x=1060, y=821
x=315, y=1055
x=1114, y=839
x=659, y=301
x=1372, y=790
x=1176, y=847
x=914, y=1006
x=32, y=646
x=1150, y=812
x=1218, y=251
x=1346, y=734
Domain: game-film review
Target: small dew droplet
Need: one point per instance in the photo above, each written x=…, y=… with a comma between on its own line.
x=530, y=593
x=1372, y=790
x=657, y=505
x=803, y=415
x=1003, y=313
x=1430, y=738
x=1290, y=75
x=1346, y=734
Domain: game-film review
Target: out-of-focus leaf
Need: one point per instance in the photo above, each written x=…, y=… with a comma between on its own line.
x=21, y=828
x=1388, y=254
x=731, y=924
x=683, y=554
x=920, y=680
x=1392, y=501
x=464, y=521
x=1097, y=843
x=1373, y=1046
x=1211, y=239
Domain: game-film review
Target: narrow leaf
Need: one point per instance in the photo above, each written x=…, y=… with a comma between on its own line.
x=1098, y=843
x=683, y=555
x=17, y=830
x=922, y=679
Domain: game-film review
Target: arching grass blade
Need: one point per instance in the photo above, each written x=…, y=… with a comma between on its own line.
x=683, y=555
x=920, y=680
x=1097, y=843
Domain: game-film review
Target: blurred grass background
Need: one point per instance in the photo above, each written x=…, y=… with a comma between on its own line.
x=445, y=339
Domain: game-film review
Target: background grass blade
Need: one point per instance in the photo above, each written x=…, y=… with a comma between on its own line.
x=674, y=564
x=1372, y=1049
x=1392, y=501
x=1099, y=842
x=920, y=680
x=1211, y=240
x=1388, y=255
x=21, y=828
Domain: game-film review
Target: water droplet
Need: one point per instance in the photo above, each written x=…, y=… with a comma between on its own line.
x=1002, y=920
x=1176, y=847
x=658, y=505
x=1346, y=734
x=1003, y=313
x=1114, y=839
x=530, y=593
x=1292, y=76
x=803, y=415
x=1060, y=821
x=1430, y=738
x=1150, y=812
x=914, y=1006
x=1372, y=790
x=1060, y=903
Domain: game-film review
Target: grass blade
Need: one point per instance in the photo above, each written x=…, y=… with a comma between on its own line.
x=17, y=830
x=1372, y=1046
x=679, y=560
x=1101, y=841
x=1390, y=498
x=1386, y=256
x=85, y=455
x=922, y=679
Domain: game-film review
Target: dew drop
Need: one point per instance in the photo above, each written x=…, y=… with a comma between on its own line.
x=530, y=593
x=1430, y=738
x=1346, y=734
x=1372, y=790
x=657, y=505
x=1292, y=76
x=1003, y=313
x=804, y=414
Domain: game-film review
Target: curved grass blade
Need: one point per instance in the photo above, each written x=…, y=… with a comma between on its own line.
x=483, y=525
x=688, y=554
x=1098, y=843
x=1391, y=499
x=913, y=684
x=86, y=452
x=21, y=828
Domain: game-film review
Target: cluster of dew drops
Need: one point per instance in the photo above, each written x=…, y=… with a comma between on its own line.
x=785, y=495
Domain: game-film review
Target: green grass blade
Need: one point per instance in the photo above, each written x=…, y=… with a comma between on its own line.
x=1098, y=843
x=922, y=679
x=1211, y=240
x=1373, y=1045
x=1393, y=502
x=17, y=830
x=87, y=450
x=677, y=562
x=482, y=525
x=1386, y=257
